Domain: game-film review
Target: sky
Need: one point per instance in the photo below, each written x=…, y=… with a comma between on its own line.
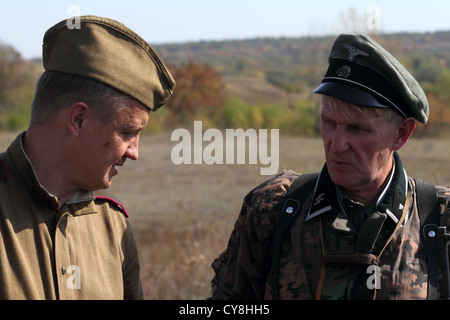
x=23, y=23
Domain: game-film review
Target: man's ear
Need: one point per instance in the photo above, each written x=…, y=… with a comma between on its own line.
x=404, y=132
x=76, y=117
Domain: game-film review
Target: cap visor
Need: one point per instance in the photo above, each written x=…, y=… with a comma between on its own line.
x=349, y=94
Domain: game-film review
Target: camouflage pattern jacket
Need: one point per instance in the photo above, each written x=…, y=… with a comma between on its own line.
x=322, y=225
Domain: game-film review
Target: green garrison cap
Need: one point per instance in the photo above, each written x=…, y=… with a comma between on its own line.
x=362, y=72
x=107, y=51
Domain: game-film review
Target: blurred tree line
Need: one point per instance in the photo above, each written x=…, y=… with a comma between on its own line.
x=282, y=71
x=200, y=94
x=17, y=84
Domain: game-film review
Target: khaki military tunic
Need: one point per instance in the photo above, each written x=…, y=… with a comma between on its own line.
x=322, y=228
x=84, y=249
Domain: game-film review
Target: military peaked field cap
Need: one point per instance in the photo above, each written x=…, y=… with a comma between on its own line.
x=108, y=51
x=362, y=72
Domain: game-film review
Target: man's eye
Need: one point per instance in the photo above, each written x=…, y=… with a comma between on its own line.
x=329, y=123
x=128, y=134
x=356, y=129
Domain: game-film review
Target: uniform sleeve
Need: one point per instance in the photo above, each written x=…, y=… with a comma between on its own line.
x=131, y=268
x=241, y=270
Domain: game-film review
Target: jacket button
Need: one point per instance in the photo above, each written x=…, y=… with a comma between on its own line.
x=63, y=270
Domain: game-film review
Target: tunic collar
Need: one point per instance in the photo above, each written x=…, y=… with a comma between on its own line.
x=390, y=200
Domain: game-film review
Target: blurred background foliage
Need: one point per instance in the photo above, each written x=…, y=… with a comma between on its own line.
x=255, y=83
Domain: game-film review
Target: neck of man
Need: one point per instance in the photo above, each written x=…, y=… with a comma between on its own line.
x=367, y=192
x=42, y=145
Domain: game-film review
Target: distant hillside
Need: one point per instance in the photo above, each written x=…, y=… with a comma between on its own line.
x=296, y=65
x=284, y=69
x=268, y=81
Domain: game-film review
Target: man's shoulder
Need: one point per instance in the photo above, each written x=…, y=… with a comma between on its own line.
x=271, y=193
x=443, y=192
x=443, y=201
x=443, y=195
x=102, y=196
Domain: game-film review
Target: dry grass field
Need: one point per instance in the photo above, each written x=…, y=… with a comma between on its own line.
x=182, y=215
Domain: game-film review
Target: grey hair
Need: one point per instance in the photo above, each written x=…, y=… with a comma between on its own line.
x=389, y=115
x=56, y=91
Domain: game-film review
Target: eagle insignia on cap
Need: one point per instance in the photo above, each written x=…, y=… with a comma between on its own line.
x=354, y=51
x=344, y=71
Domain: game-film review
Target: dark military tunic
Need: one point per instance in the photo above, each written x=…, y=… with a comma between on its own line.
x=328, y=224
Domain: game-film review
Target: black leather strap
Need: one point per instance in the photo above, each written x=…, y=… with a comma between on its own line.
x=429, y=220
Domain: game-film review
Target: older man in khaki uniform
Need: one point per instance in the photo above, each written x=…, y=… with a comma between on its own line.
x=60, y=238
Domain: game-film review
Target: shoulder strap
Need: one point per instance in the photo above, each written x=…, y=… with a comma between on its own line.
x=106, y=195
x=428, y=206
x=294, y=200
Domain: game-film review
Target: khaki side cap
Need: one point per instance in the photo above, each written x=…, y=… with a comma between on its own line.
x=108, y=51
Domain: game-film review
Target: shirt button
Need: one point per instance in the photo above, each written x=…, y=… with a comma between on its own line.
x=63, y=270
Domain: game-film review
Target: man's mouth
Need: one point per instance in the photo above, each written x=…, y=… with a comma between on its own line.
x=338, y=164
x=115, y=170
x=118, y=164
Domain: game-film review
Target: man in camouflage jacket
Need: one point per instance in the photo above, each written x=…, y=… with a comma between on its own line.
x=356, y=230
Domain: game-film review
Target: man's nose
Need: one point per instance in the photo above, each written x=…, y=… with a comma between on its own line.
x=339, y=142
x=133, y=149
